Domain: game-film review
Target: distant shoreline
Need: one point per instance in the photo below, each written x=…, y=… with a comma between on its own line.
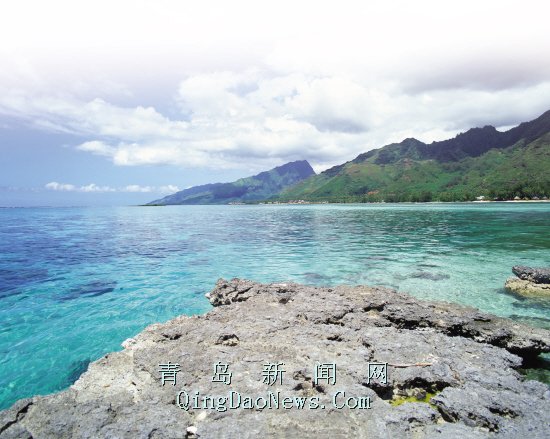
x=280, y=203
x=393, y=202
x=510, y=201
x=303, y=202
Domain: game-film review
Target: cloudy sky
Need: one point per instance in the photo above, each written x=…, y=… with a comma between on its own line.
x=119, y=102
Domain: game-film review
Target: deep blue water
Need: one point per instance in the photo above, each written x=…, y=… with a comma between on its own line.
x=76, y=282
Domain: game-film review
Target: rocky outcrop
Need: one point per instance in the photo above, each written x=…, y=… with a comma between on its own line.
x=535, y=275
x=526, y=288
x=451, y=372
x=530, y=282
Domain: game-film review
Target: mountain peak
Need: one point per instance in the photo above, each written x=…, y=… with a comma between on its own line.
x=257, y=187
x=530, y=130
x=478, y=131
x=478, y=162
x=301, y=166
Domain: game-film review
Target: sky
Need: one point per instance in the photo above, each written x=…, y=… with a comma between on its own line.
x=122, y=102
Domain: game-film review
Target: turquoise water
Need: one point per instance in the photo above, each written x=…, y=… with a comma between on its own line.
x=76, y=282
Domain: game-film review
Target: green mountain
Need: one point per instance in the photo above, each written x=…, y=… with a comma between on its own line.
x=479, y=162
x=258, y=187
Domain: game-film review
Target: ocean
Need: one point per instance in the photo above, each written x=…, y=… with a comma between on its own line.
x=76, y=282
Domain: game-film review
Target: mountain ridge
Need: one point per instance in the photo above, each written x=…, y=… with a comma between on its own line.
x=254, y=188
x=474, y=141
x=478, y=162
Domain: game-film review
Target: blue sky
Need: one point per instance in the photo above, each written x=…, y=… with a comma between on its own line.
x=107, y=103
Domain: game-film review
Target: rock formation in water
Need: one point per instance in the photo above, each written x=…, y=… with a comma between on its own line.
x=451, y=371
x=530, y=282
x=536, y=275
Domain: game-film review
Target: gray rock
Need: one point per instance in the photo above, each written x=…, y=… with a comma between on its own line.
x=540, y=322
x=535, y=275
x=466, y=358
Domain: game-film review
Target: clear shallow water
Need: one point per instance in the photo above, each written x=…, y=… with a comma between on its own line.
x=76, y=282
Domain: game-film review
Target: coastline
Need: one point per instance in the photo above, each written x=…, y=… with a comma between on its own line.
x=397, y=202
x=451, y=370
x=336, y=203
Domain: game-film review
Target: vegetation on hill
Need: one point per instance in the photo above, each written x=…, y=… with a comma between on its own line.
x=258, y=187
x=481, y=162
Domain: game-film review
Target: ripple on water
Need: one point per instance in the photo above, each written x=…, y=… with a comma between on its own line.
x=74, y=283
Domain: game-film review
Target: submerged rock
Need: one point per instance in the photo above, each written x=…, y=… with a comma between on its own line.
x=451, y=372
x=429, y=276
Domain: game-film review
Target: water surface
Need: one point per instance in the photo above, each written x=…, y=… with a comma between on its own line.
x=76, y=282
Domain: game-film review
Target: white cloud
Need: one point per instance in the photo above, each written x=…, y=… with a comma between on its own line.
x=250, y=85
x=55, y=186
x=261, y=120
x=65, y=187
x=168, y=189
x=96, y=147
x=138, y=188
x=287, y=117
x=92, y=187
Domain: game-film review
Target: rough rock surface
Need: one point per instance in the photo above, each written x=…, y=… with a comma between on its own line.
x=530, y=282
x=535, y=275
x=527, y=288
x=464, y=359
